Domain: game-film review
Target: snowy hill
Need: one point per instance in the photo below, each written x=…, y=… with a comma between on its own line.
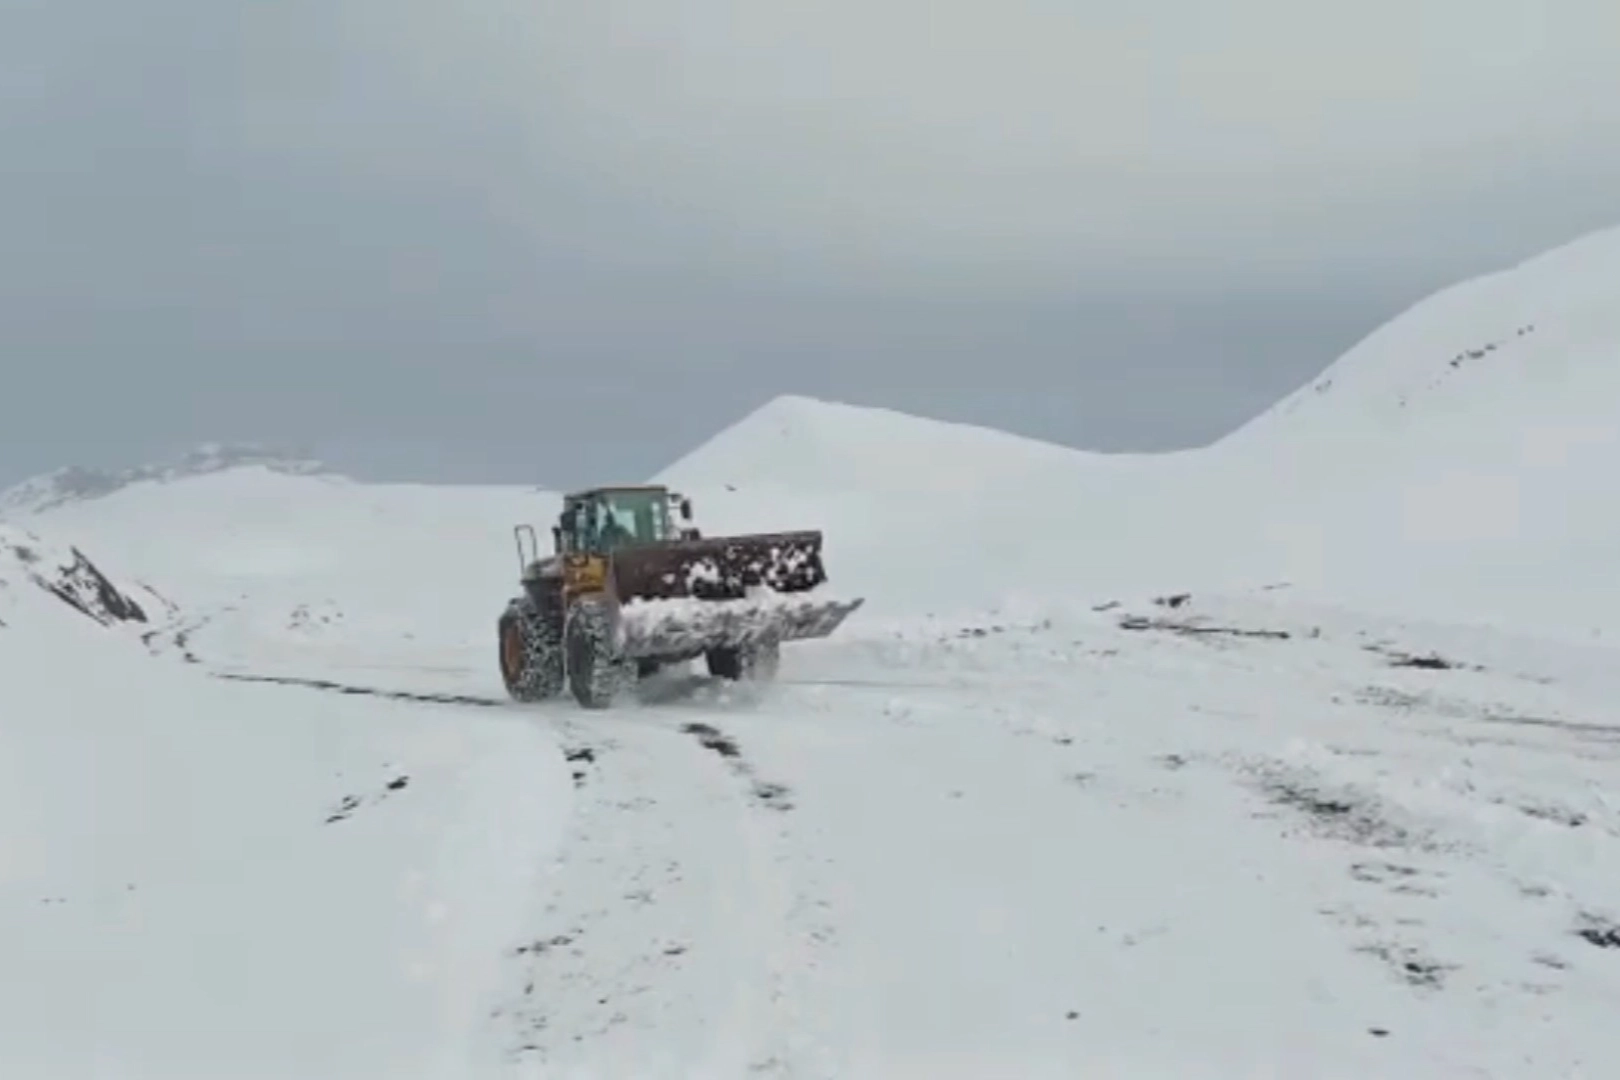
x=795, y=443
x=1503, y=355
x=282, y=567
x=1086, y=790
x=926, y=515
x=1461, y=456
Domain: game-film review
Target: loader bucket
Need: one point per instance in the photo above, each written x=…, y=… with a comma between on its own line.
x=686, y=626
x=720, y=568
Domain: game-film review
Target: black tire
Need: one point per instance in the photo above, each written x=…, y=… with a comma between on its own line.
x=595, y=675
x=531, y=656
x=754, y=662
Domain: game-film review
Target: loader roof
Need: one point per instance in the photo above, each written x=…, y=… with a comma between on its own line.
x=605, y=489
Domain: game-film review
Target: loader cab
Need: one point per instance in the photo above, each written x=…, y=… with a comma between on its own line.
x=603, y=520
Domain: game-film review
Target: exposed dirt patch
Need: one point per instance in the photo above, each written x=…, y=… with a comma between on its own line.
x=1397, y=878
x=579, y=757
x=1390, y=697
x=1196, y=628
x=1431, y=661
x=1600, y=931
x=1455, y=708
x=1411, y=965
x=1337, y=811
x=771, y=795
x=368, y=691
x=774, y=796
x=1601, y=732
x=177, y=635
x=713, y=739
x=1558, y=815
x=537, y=947
x=347, y=805
x=306, y=618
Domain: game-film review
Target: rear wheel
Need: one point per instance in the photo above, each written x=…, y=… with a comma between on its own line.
x=530, y=654
x=754, y=662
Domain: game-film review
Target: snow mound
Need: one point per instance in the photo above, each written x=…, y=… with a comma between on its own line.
x=76, y=483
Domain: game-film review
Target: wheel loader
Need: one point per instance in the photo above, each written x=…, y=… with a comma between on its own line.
x=632, y=586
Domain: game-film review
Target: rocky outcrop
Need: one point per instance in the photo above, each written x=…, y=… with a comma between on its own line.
x=65, y=573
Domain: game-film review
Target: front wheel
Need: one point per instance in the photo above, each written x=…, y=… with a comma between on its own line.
x=595, y=674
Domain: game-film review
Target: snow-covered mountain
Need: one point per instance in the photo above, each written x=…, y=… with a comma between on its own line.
x=1508, y=356
x=1462, y=455
x=1182, y=765
x=76, y=483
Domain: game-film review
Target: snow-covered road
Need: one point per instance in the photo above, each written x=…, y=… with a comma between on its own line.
x=1249, y=838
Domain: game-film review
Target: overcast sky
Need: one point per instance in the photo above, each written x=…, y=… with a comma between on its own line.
x=562, y=241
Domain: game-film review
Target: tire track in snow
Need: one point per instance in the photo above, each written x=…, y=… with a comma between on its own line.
x=670, y=920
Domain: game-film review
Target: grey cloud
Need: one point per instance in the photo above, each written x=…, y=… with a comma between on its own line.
x=904, y=131
x=465, y=242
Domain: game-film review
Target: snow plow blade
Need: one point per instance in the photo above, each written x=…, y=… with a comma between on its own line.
x=689, y=596
x=720, y=567
x=687, y=626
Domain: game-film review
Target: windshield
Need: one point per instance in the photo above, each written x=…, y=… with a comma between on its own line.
x=630, y=517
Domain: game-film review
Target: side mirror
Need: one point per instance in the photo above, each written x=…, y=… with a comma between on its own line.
x=686, y=509
x=556, y=539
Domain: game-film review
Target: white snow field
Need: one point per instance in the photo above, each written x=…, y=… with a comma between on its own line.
x=1291, y=757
